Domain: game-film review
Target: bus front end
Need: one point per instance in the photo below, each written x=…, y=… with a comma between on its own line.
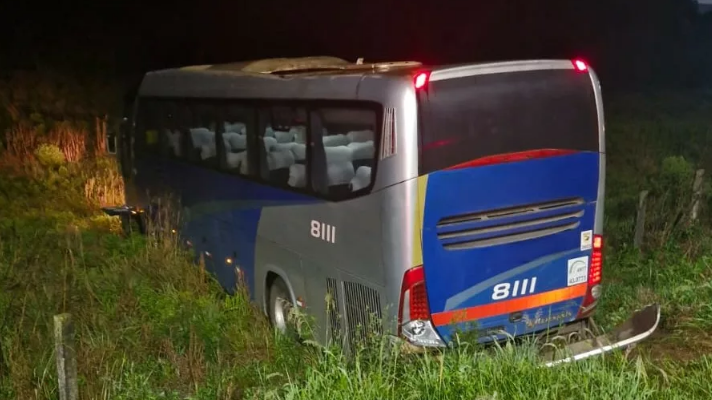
x=509, y=213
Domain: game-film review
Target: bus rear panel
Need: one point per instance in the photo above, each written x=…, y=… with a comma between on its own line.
x=511, y=179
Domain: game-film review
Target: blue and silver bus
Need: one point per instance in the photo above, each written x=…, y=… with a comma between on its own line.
x=437, y=199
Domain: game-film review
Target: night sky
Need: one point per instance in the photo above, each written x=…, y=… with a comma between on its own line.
x=642, y=41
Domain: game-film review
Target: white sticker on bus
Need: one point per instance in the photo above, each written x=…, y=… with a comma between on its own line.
x=577, y=271
x=586, y=240
x=323, y=231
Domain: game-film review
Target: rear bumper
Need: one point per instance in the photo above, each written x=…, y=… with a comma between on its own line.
x=638, y=327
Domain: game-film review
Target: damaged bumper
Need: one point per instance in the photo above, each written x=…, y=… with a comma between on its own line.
x=118, y=211
x=641, y=325
x=127, y=214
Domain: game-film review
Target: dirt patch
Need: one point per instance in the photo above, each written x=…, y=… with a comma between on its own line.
x=680, y=346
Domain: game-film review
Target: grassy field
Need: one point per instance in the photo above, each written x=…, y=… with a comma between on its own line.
x=150, y=325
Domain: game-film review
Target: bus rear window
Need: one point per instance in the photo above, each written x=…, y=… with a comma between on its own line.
x=463, y=119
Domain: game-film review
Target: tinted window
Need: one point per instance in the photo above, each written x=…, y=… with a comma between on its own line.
x=238, y=136
x=327, y=150
x=348, y=145
x=472, y=117
x=283, y=150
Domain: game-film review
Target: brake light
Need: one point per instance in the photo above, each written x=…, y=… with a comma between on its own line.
x=414, y=322
x=413, y=297
x=421, y=80
x=580, y=65
x=595, y=270
x=594, y=273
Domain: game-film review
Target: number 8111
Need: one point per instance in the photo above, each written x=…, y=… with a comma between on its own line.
x=514, y=289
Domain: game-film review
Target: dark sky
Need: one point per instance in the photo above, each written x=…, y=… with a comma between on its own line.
x=434, y=31
x=636, y=39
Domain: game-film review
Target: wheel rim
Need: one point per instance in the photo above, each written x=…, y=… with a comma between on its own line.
x=281, y=313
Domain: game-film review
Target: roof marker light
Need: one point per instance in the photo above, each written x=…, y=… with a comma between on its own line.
x=580, y=66
x=421, y=80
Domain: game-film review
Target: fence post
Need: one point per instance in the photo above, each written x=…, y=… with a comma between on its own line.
x=640, y=220
x=66, y=357
x=696, y=194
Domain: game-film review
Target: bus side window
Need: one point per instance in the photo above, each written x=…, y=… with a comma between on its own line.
x=238, y=138
x=348, y=143
x=283, y=160
x=202, y=129
x=181, y=137
x=172, y=140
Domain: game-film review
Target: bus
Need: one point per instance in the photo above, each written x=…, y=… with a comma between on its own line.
x=432, y=199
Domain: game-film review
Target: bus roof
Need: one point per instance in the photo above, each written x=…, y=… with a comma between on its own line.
x=301, y=66
x=328, y=77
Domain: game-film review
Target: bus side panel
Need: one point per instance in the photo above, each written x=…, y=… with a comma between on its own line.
x=402, y=248
x=144, y=181
x=221, y=214
x=337, y=242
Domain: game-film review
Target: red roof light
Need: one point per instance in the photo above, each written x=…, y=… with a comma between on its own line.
x=421, y=79
x=580, y=66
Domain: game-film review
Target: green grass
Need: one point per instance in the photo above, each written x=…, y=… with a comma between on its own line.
x=152, y=325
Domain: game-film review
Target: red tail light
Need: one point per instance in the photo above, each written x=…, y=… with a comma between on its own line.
x=421, y=80
x=413, y=297
x=580, y=65
x=414, y=322
x=595, y=271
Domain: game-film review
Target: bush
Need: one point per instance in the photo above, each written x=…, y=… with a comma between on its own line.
x=50, y=155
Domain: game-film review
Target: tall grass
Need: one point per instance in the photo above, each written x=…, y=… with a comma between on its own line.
x=147, y=319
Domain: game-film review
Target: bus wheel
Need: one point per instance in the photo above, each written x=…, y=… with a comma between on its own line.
x=280, y=305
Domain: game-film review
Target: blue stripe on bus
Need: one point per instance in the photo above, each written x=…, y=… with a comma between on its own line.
x=225, y=210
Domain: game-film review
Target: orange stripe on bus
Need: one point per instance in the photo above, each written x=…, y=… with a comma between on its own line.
x=509, y=306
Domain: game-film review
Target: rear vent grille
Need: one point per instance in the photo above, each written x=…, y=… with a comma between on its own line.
x=509, y=225
x=363, y=312
x=333, y=309
x=388, y=139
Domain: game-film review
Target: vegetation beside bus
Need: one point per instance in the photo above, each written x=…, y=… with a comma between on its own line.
x=152, y=325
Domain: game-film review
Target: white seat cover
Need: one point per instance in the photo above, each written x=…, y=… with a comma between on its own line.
x=280, y=159
x=360, y=136
x=236, y=127
x=297, y=175
x=284, y=137
x=270, y=142
x=336, y=140
x=340, y=173
x=362, y=150
x=338, y=154
x=235, y=160
x=362, y=178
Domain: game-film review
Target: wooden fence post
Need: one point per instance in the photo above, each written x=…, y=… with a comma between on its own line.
x=696, y=194
x=640, y=220
x=66, y=357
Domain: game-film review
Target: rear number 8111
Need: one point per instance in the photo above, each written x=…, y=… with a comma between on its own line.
x=513, y=289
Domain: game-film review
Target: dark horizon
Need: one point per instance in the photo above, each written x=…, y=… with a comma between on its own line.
x=630, y=43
